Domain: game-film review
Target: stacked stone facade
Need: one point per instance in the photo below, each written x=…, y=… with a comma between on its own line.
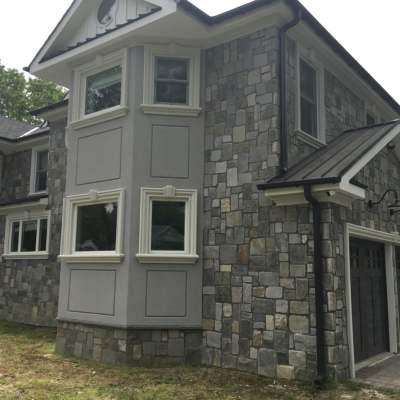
x=257, y=309
x=259, y=286
x=29, y=288
x=127, y=346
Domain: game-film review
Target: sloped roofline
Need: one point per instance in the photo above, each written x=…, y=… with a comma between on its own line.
x=313, y=23
x=297, y=7
x=389, y=131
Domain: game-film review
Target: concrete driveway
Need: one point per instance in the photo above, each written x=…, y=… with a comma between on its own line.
x=385, y=374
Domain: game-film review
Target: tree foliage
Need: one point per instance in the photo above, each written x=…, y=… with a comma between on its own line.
x=20, y=95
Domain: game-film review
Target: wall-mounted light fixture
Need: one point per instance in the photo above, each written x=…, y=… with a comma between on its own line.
x=392, y=207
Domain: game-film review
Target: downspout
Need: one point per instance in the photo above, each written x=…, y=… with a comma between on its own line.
x=319, y=287
x=283, y=90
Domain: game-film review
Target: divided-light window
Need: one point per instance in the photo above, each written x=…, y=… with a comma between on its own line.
x=28, y=236
x=172, y=80
x=103, y=90
x=308, y=99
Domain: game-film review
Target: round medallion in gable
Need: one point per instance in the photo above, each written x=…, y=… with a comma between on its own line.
x=106, y=10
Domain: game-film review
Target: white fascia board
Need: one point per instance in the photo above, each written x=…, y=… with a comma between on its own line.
x=156, y=29
x=326, y=193
x=53, y=36
x=32, y=205
x=367, y=157
x=115, y=39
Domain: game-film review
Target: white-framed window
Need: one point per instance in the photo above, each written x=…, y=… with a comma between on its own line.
x=168, y=226
x=93, y=227
x=39, y=170
x=171, y=80
x=100, y=90
x=27, y=235
x=310, y=107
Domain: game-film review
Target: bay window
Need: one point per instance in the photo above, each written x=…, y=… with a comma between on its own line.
x=93, y=227
x=168, y=226
x=171, y=81
x=100, y=90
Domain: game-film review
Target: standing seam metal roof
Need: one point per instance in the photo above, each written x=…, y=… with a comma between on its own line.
x=331, y=162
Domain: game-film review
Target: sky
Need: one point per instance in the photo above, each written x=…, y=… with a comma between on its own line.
x=368, y=29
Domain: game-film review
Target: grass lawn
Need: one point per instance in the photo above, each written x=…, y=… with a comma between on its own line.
x=29, y=369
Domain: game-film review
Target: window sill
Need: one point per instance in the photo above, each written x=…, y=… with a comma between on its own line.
x=27, y=256
x=310, y=140
x=167, y=258
x=35, y=194
x=92, y=258
x=174, y=110
x=99, y=117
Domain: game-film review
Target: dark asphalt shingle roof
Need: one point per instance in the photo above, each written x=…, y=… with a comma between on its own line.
x=12, y=129
x=331, y=162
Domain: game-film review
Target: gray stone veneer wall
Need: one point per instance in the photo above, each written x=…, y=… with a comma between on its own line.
x=29, y=288
x=15, y=179
x=151, y=347
x=259, y=290
x=258, y=308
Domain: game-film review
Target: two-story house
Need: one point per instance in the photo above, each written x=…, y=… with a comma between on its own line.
x=230, y=195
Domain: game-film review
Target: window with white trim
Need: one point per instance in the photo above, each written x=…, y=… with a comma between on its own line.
x=168, y=226
x=308, y=99
x=39, y=170
x=103, y=90
x=100, y=91
x=93, y=227
x=310, y=110
x=27, y=235
x=171, y=81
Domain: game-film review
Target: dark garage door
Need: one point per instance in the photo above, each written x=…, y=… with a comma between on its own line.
x=369, y=299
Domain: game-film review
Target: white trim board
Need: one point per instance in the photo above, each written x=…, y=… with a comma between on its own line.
x=68, y=237
x=145, y=253
x=390, y=240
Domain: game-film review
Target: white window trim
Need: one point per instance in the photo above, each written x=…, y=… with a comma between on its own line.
x=101, y=63
x=22, y=217
x=310, y=58
x=71, y=204
x=192, y=109
x=168, y=193
x=32, y=183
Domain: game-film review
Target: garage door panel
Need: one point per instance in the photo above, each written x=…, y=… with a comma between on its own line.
x=369, y=299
